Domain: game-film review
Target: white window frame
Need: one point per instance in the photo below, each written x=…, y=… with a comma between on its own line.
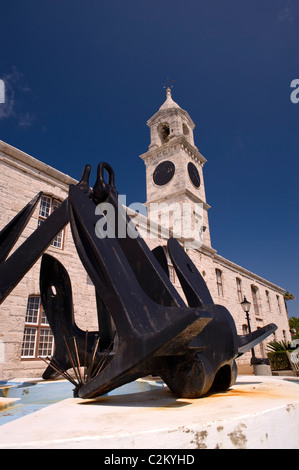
x=51, y=203
x=37, y=326
x=219, y=282
x=239, y=289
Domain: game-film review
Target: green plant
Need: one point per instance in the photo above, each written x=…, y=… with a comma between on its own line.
x=288, y=296
x=278, y=354
x=279, y=346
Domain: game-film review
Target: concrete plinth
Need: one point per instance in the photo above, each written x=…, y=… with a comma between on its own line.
x=262, y=369
x=257, y=412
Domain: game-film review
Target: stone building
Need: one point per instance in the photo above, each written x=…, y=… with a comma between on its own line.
x=24, y=332
x=175, y=195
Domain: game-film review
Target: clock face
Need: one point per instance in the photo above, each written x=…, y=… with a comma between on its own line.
x=163, y=173
x=193, y=174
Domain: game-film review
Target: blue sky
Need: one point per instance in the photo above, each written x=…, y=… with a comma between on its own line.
x=82, y=79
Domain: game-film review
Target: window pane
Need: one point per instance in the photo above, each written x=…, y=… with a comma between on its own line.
x=58, y=240
x=44, y=320
x=45, y=207
x=45, y=346
x=37, y=341
x=33, y=306
x=56, y=204
x=29, y=339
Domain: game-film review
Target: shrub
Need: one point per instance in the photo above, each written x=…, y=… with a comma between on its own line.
x=278, y=355
x=279, y=345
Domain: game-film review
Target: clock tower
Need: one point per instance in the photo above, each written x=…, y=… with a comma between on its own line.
x=174, y=175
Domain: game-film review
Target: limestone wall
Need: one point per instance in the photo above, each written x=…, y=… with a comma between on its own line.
x=21, y=178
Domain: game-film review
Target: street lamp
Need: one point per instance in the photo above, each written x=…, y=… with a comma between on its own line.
x=246, y=307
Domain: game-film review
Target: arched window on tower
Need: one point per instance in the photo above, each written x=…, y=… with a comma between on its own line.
x=185, y=130
x=164, y=131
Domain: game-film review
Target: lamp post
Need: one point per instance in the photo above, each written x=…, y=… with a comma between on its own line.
x=246, y=307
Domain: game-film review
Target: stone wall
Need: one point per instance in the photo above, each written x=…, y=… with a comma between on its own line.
x=21, y=178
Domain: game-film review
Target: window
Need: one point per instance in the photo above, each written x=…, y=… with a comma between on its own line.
x=278, y=304
x=254, y=292
x=47, y=206
x=185, y=129
x=171, y=273
x=164, y=131
x=244, y=329
x=170, y=267
x=239, y=289
x=219, y=282
x=268, y=300
x=261, y=346
x=37, y=339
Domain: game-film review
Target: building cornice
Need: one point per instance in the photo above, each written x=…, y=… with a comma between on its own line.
x=190, y=149
x=239, y=269
x=164, y=113
x=178, y=194
x=33, y=163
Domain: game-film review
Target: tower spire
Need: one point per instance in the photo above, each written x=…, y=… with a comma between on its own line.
x=169, y=103
x=168, y=84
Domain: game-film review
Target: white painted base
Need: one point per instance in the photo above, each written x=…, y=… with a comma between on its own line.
x=256, y=413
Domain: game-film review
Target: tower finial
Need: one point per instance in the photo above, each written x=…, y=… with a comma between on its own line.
x=169, y=103
x=168, y=85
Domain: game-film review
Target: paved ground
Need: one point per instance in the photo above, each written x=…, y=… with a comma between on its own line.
x=251, y=414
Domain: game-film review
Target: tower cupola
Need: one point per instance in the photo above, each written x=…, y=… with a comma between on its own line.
x=169, y=122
